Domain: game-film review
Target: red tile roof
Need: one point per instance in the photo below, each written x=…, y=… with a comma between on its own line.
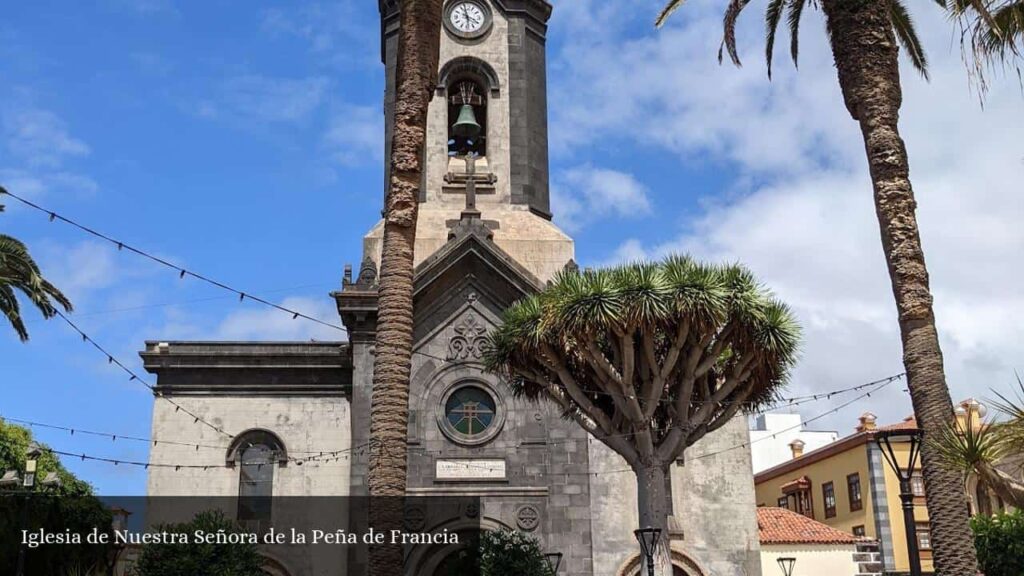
x=781, y=526
x=909, y=423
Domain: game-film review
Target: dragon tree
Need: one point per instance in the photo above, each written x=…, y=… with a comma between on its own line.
x=649, y=358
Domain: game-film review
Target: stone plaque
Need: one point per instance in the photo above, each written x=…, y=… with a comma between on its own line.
x=470, y=469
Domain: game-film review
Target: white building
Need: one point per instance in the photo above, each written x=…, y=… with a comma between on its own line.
x=781, y=437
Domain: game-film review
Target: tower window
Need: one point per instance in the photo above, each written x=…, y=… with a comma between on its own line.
x=467, y=103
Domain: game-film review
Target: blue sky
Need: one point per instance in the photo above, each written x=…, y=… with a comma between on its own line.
x=247, y=144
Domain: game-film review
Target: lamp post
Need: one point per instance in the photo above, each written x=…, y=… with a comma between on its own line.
x=28, y=482
x=786, y=564
x=886, y=441
x=554, y=560
x=648, y=538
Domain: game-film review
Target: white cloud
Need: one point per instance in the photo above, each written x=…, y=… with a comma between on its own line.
x=355, y=135
x=268, y=99
x=80, y=270
x=264, y=323
x=334, y=31
x=800, y=212
x=39, y=137
x=146, y=7
x=585, y=194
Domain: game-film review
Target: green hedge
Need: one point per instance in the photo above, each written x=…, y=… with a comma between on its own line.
x=1000, y=543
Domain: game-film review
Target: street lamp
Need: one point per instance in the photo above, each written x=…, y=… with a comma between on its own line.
x=886, y=441
x=31, y=461
x=28, y=482
x=648, y=538
x=554, y=560
x=786, y=564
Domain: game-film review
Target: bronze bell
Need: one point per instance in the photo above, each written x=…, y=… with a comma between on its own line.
x=466, y=126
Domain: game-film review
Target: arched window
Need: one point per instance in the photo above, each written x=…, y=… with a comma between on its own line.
x=467, y=100
x=256, y=453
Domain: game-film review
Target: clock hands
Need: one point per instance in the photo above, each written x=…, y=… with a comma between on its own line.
x=466, y=16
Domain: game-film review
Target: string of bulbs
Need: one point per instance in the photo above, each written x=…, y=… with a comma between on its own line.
x=133, y=377
x=325, y=457
x=328, y=453
x=182, y=272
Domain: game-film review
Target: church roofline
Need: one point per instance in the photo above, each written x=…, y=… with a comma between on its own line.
x=238, y=368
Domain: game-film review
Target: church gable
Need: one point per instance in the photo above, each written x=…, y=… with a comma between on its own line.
x=470, y=272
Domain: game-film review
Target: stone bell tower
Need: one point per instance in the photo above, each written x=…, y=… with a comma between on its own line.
x=493, y=59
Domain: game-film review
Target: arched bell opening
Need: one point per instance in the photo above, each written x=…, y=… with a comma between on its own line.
x=467, y=118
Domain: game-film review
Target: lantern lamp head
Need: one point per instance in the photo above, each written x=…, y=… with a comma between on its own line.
x=787, y=564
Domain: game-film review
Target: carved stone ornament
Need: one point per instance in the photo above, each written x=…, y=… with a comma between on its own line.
x=527, y=518
x=469, y=340
x=415, y=518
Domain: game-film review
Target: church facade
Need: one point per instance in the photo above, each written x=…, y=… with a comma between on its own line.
x=484, y=239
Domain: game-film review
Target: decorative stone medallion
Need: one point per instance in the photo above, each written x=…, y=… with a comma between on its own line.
x=469, y=341
x=415, y=518
x=527, y=518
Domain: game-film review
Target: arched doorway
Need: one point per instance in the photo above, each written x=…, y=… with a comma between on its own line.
x=682, y=565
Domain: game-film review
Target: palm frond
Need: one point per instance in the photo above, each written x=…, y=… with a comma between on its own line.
x=19, y=272
x=732, y=15
x=796, y=11
x=1013, y=408
x=903, y=25
x=9, y=308
x=772, y=17
x=1007, y=30
x=964, y=448
x=667, y=11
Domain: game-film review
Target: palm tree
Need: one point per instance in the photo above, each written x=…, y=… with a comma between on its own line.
x=419, y=40
x=863, y=35
x=19, y=272
x=649, y=358
x=981, y=449
x=997, y=30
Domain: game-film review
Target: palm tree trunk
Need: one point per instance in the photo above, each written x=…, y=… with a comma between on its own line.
x=416, y=75
x=866, y=56
x=652, y=505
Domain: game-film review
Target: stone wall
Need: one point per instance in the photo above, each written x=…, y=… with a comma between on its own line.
x=544, y=490
x=304, y=424
x=713, y=504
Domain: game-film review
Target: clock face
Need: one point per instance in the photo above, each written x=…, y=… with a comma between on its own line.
x=467, y=17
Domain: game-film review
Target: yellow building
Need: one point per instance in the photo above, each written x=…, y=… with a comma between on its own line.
x=848, y=485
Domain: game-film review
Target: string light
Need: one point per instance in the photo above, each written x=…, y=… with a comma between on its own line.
x=135, y=377
x=182, y=272
x=326, y=457
x=879, y=385
x=342, y=455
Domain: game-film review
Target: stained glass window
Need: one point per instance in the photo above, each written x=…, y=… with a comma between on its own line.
x=470, y=411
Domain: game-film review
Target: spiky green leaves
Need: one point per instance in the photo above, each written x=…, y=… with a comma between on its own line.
x=19, y=272
x=994, y=29
x=720, y=311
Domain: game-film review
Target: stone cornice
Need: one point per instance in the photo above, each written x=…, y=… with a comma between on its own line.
x=249, y=368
